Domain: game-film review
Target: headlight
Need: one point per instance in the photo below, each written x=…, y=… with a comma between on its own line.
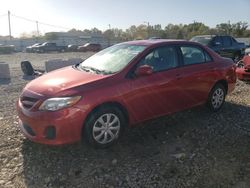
x=58, y=103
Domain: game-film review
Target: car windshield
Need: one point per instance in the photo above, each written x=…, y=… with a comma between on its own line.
x=202, y=40
x=112, y=59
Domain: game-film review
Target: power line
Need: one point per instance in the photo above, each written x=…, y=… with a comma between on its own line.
x=20, y=17
x=56, y=26
x=30, y=20
x=2, y=15
x=41, y=23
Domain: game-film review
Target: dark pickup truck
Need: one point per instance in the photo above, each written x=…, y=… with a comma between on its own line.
x=49, y=47
x=226, y=46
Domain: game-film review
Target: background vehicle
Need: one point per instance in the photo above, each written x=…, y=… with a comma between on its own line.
x=30, y=49
x=49, y=47
x=72, y=48
x=121, y=86
x=226, y=46
x=243, y=68
x=90, y=47
x=7, y=49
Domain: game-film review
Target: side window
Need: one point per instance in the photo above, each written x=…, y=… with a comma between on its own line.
x=217, y=41
x=161, y=58
x=226, y=41
x=194, y=55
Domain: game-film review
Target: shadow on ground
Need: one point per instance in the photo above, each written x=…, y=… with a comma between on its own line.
x=195, y=148
x=27, y=77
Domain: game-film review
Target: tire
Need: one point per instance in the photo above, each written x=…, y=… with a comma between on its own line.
x=99, y=134
x=27, y=68
x=216, y=97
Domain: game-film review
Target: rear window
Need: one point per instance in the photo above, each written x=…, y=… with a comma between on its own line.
x=202, y=40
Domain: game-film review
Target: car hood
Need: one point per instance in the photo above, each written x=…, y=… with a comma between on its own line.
x=61, y=80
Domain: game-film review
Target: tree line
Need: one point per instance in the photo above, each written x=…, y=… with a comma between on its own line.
x=171, y=31
x=176, y=31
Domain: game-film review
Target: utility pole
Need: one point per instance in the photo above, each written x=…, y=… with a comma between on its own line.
x=229, y=28
x=9, y=24
x=109, y=37
x=37, y=29
x=148, y=28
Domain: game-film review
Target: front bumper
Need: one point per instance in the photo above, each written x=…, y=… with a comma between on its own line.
x=242, y=74
x=52, y=128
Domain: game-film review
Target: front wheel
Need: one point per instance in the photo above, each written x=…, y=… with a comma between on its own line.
x=216, y=97
x=104, y=127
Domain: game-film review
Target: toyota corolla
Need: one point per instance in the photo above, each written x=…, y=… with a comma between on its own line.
x=121, y=86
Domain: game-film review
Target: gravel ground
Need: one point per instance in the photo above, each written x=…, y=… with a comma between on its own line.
x=194, y=148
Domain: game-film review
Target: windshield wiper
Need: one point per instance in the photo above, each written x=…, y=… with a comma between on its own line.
x=95, y=70
x=92, y=69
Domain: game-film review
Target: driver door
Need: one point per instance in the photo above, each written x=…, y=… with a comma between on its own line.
x=155, y=95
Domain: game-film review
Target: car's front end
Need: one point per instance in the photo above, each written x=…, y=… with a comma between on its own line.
x=46, y=126
x=48, y=106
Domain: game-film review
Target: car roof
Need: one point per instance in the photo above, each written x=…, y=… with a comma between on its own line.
x=158, y=42
x=205, y=35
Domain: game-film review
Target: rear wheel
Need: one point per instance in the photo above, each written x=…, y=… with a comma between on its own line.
x=104, y=127
x=216, y=97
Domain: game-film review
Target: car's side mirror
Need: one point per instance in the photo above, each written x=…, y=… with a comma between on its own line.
x=143, y=70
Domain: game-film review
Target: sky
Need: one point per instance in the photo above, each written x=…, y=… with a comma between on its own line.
x=87, y=14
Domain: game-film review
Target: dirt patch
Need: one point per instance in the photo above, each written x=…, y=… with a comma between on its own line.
x=194, y=148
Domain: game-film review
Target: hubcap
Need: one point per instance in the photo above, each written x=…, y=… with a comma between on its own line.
x=218, y=98
x=106, y=128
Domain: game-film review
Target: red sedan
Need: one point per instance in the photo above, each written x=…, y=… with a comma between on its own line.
x=243, y=69
x=121, y=86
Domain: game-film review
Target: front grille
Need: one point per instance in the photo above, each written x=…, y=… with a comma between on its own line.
x=28, y=102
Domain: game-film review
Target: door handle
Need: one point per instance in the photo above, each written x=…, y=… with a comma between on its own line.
x=212, y=68
x=178, y=76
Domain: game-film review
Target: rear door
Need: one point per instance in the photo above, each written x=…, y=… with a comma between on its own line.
x=196, y=75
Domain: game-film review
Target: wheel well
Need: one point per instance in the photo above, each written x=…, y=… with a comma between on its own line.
x=224, y=83
x=108, y=104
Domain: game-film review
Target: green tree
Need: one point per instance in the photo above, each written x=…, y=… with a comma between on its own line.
x=239, y=29
x=224, y=28
x=51, y=36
